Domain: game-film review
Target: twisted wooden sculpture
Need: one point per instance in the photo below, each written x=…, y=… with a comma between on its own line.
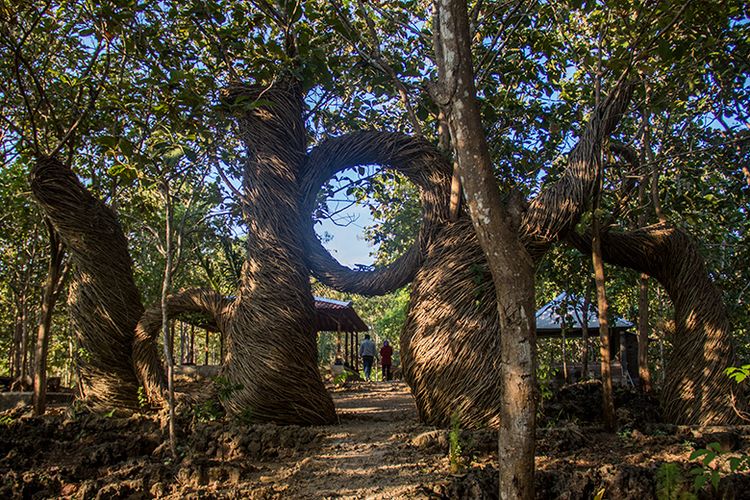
x=450, y=344
x=105, y=304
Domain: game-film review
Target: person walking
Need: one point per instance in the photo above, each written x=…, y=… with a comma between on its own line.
x=385, y=360
x=367, y=351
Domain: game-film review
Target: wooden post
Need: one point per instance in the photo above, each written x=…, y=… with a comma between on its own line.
x=356, y=351
x=206, y=358
x=191, y=351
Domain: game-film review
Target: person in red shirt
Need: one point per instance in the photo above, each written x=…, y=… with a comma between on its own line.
x=385, y=360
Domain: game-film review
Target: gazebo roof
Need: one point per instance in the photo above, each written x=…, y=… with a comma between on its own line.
x=336, y=315
x=549, y=321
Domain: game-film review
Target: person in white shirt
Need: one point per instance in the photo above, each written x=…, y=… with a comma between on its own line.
x=367, y=351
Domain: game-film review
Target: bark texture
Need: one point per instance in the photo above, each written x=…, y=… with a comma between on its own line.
x=104, y=301
x=608, y=400
x=49, y=299
x=497, y=223
x=271, y=337
x=696, y=391
x=216, y=308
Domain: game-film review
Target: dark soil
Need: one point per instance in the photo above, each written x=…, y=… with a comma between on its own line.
x=378, y=450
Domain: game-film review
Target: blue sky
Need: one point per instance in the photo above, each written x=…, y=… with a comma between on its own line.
x=348, y=245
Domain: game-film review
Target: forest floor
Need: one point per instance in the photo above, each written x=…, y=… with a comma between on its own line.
x=378, y=450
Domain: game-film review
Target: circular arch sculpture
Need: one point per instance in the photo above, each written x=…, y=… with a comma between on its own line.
x=414, y=158
x=448, y=346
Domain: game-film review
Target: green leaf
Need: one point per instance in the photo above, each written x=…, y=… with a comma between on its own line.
x=700, y=481
x=172, y=156
x=715, y=479
x=107, y=141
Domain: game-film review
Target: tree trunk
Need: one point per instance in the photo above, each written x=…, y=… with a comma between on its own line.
x=566, y=378
x=585, y=337
x=17, y=348
x=71, y=368
x=172, y=332
x=182, y=343
x=166, y=285
x=205, y=361
x=497, y=224
x=191, y=346
x=644, y=374
x=50, y=295
x=24, y=345
x=608, y=405
x=271, y=340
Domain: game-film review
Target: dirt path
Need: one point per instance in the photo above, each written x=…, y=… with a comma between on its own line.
x=368, y=455
x=378, y=450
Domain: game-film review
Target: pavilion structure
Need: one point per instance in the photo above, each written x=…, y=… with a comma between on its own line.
x=563, y=317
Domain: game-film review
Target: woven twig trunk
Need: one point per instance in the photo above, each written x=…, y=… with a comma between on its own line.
x=696, y=391
x=272, y=339
x=211, y=304
x=104, y=302
x=450, y=352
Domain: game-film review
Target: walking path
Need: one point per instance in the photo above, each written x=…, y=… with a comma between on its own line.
x=368, y=455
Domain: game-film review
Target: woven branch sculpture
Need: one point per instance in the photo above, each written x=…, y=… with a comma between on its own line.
x=104, y=301
x=450, y=343
x=271, y=338
x=209, y=303
x=696, y=391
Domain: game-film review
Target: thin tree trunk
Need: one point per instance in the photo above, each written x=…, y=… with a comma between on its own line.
x=165, y=288
x=17, y=349
x=444, y=144
x=206, y=358
x=51, y=293
x=608, y=400
x=182, y=343
x=644, y=374
x=585, y=335
x=191, y=346
x=77, y=365
x=608, y=405
x=563, y=346
x=497, y=224
x=172, y=332
x=71, y=363
x=25, y=345
x=566, y=379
